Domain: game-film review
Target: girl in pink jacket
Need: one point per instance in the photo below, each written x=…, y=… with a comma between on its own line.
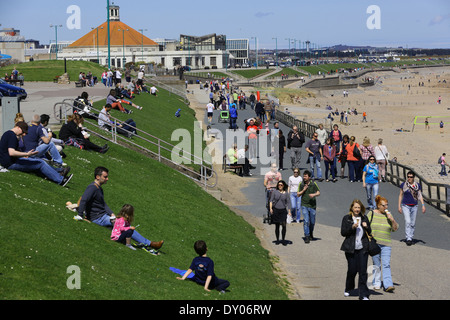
x=123, y=232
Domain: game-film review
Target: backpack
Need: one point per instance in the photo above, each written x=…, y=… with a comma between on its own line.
x=440, y=160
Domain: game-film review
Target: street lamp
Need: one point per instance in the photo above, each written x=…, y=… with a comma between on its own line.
x=98, y=54
x=142, y=31
x=56, y=35
x=256, y=49
x=123, y=49
x=276, y=49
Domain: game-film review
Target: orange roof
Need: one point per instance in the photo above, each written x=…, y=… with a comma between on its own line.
x=133, y=38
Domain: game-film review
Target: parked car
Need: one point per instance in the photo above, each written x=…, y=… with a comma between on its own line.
x=9, y=90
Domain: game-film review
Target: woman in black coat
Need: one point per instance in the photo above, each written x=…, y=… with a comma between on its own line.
x=355, y=227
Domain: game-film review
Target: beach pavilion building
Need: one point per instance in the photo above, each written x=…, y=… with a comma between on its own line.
x=130, y=45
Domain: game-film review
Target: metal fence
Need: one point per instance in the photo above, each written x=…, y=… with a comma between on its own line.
x=159, y=149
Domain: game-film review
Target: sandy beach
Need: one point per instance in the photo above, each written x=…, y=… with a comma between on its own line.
x=391, y=105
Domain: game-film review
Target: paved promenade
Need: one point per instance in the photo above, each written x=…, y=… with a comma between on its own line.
x=317, y=270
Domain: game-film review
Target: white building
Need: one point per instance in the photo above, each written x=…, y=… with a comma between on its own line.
x=130, y=45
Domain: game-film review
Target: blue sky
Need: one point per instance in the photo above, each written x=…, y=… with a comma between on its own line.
x=412, y=23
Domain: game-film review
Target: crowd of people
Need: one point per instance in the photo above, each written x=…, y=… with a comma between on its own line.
x=295, y=200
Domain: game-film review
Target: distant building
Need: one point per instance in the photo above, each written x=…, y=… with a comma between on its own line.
x=130, y=45
x=239, y=51
x=12, y=44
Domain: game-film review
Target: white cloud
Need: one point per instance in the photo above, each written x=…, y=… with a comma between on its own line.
x=438, y=19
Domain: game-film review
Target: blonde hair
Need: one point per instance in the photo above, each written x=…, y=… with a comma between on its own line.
x=363, y=209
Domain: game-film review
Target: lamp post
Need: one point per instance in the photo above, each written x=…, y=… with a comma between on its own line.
x=256, y=51
x=142, y=31
x=98, y=54
x=276, y=50
x=56, y=37
x=123, y=42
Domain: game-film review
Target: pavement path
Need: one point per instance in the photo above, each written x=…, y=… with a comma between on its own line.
x=317, y=270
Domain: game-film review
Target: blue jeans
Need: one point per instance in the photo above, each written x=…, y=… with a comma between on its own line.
x=296, y=208
x=42, y=149
x=382, y=265
x=410, y=213
x=351, y=170
x=104, y=221
x=37, y=165
x=330, y=167
x=309, y=216
x=133, y=234
x=372, y=192
x=314, y=161
x=443, y=171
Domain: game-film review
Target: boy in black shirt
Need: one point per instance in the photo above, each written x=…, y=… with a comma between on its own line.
x=203, y=268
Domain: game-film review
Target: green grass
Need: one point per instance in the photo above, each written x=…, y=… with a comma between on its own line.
x=287, y=71
x=40, y=240
x=251, y=73
x=46, y=70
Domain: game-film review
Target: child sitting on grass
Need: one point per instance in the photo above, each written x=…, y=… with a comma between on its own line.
x=123, y=232
x=203, y=268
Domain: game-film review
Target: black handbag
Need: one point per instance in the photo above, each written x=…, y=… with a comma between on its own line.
x=374, y=248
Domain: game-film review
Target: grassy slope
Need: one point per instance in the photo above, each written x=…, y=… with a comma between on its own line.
x=40, y=240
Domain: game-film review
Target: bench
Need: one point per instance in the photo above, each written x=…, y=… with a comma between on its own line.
x=226, y=166
x=78, y=84
x=14, y=81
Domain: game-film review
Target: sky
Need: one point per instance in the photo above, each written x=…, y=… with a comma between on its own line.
x=393, y=23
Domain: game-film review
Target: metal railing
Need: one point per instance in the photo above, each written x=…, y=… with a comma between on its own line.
x=162, y=150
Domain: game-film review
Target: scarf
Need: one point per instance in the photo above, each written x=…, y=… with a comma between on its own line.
x=414, y=189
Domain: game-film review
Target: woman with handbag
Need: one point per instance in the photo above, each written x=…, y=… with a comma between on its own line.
x=355, y=228
x=383, y=225
x=280, y=208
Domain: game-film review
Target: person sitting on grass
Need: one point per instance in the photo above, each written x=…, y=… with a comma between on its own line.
x=123, y=232
x=72, y=134
x=127, y=128
x=117, y=103
x=13, y=159
x=203, y=267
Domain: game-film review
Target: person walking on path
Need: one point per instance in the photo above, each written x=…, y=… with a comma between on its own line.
x=383, y=224
x=309, y=191
x=371, y=182
x=279, y=208
x=355, y=227
x=408, y=200
x=314, y=148
x=295, y=140
x=293, y=184
x=381, y=156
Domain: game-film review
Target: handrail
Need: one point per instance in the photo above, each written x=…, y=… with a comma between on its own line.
x=207, y=173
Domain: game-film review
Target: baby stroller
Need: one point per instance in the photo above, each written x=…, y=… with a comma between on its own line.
x=224, y=116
